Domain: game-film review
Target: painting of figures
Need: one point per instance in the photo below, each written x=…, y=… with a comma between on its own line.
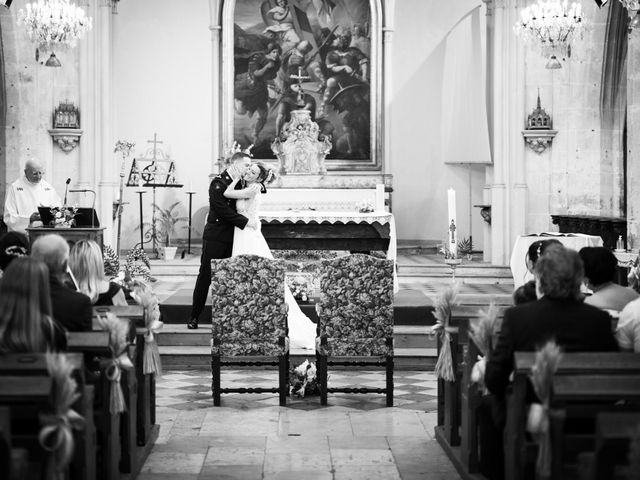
x=303, y=54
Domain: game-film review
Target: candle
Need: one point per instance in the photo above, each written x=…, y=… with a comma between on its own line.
x=140, y=182
x=452, y=224
x=190, y=186
x=380, y=198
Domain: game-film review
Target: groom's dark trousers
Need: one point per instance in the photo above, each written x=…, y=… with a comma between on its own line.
x=217, y=239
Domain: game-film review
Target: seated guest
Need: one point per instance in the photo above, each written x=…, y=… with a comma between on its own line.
x=71, y=309
x=12, y=245
x=558, y=314
x=600, y=270
x=527, y=292
x=26, y=323
x=628, y=330
x=87, y=265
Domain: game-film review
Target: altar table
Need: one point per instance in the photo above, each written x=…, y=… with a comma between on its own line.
x=71, y=235
x=330, y=230
x=518, y=264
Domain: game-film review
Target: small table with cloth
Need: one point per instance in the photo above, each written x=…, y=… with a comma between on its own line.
x=518, y=264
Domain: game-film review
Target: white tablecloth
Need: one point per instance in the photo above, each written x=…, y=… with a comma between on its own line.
x=308, y=216
x=518, y=262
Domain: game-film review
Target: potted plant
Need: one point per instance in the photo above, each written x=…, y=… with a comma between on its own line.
x=166, y=221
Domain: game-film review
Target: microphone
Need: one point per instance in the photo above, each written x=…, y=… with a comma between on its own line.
x=66, y=189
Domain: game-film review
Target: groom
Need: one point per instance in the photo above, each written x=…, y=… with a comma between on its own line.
x=217, y=239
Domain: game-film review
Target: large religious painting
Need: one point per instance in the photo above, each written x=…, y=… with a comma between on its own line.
x=310, y=54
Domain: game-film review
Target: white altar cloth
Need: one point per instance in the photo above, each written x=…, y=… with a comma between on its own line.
x=518, y=264
x=308, y=216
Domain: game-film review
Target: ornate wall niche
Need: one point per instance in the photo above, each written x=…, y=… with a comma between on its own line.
x=348, y=106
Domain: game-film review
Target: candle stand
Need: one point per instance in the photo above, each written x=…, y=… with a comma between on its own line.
x=189, y=230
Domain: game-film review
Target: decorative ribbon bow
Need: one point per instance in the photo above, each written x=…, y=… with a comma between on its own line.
x=113, y=371
x=444, y=365
x=151, y=357
x=538, y=426
x=57, y=435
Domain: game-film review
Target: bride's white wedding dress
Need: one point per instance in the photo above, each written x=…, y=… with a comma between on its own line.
x=302, y=331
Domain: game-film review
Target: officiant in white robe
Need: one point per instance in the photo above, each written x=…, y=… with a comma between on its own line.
x=26, y=194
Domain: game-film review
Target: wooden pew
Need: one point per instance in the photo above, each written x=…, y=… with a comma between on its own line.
x=138, y=422
x=83, y=464
x=450, y=393
x=614, y=431
x=575, y=364
x=580, y=398
x=107, y=424
x=24, y=397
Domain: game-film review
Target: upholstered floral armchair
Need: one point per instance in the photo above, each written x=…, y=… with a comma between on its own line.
x=355, y=319
x=249, y=320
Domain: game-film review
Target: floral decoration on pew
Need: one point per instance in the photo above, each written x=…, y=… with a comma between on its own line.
x=138, y=265
x=144, y=295
x=56, y=435
x=542, y=371
x=442, y=313
x=303, y=380
x=483, y=331
x=118, y=344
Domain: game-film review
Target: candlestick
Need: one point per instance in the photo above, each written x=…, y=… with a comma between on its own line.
x=380, y=198
x=452, y=224
x=190, y=193
x=141, y=192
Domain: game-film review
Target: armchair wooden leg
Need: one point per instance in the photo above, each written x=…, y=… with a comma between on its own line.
x=389, y=365
x=215, y=379
x=322, y=377
x=282, y=378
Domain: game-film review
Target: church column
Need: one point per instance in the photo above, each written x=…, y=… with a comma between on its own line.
x=633, y=141
x=505, y=81
x=215, y=27
x=387, y=38
x=86, y=147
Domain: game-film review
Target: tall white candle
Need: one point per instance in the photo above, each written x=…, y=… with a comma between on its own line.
x=380, y=198
x=190, y=186
x=452, y=224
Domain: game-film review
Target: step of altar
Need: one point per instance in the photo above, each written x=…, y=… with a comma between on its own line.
x=409, y=266
x=180, y=347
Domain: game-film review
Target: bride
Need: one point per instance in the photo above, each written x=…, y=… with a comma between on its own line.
x=302, y=331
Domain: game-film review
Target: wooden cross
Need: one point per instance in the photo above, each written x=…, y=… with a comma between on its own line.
x=452, y=229
x=155, y=142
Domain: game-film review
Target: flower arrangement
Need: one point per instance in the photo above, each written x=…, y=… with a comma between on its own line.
x=365, y=206
x=544, y=367
x=118, y=342
x=124, y=148
x=137, y=264
x=56, y=435
x=442, y=313
x=483, y=331
x=143, y=295
x=303, y=380
x=63, y=217
x=111, y=262
x=443, y=249
x=299, y=288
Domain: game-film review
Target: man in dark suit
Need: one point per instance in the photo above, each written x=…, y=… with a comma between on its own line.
x=558, y=314
x=217, y=239
x=71, y=309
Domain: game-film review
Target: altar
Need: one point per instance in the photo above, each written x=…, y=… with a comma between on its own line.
x=329, y=230
x=71, y=235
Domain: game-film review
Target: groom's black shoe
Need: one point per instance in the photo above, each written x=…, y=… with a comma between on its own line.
x=193, y=324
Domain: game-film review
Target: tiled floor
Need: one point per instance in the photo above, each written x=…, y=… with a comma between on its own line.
x=251, y=437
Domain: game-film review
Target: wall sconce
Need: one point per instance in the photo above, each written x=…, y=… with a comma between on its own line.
x=538, y=133
x=66, y=131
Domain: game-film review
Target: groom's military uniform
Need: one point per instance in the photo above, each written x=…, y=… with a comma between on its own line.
x=217, y=238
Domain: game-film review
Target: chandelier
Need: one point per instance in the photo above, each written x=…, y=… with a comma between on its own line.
x=553, y=26
x=54, y=25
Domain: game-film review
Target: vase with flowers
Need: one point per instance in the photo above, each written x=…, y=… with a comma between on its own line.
x=63, y=217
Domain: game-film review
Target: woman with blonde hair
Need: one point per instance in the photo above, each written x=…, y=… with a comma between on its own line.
x=26, y=322
x=87, y=265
